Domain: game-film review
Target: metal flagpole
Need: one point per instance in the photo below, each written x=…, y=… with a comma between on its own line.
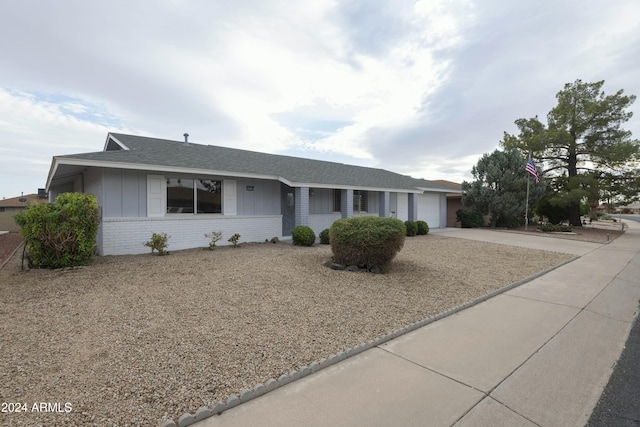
x=526, y=209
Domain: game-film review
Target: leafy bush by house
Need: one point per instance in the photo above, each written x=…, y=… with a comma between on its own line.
x=62, y=233
x=411, y=227
x=158, y=243
x=423, y=228
x=367, y=241
x=303, y=236
x=469, y=218
x=324, y=236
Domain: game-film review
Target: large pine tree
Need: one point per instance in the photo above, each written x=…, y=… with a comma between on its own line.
x=583, y=139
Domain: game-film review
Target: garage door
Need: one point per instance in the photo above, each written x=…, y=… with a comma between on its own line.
x=429, y=209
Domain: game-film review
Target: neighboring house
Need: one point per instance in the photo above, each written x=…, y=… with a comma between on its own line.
x=17, y=204
x=454, y=201
x=10, y=207
x=607, y=208
x=146, y=185
x=633, y=208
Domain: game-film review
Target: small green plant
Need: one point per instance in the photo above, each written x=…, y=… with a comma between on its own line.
x=412, y=228
x=324, y=237
x=423, y=228
x=158, y=243
x=234, y=239
x=214, y=236
x=303, y=236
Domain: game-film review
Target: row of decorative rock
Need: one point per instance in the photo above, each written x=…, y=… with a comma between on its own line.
x=245, y=395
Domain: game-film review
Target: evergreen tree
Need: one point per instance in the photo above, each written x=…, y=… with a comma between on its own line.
x=499, y=187
x=584, y=148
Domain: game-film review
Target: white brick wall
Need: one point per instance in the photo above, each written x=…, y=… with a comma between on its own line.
x=319, y=222
x=121, y=236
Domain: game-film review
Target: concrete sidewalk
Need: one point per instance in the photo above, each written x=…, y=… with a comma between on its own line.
x=537, y=355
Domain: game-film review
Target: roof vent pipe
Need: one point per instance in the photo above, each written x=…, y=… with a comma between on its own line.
x=186, y=138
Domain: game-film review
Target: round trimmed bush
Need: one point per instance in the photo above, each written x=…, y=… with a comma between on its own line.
x=366, y=241
x=324, y=236
x=423, y=228
x=412, y=228
x=303, y=236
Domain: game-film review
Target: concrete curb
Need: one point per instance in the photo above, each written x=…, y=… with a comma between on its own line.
x=246, y=395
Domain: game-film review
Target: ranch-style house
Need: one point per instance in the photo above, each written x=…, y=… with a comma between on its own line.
x=148, y=185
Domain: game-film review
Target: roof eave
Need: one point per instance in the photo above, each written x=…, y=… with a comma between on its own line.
x=440, y=190
x=148, y=167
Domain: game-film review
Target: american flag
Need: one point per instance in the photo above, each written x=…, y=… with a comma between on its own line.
x=531, y=169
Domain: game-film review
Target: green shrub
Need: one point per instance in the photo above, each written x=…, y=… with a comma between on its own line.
x=548, y=227
x=411, y=227
x=367, y=241
x=303, y=236
x=214, y=236
x=324, y=236
x=469, y=219
x=158, y=243
x=423, y=228
x=234, y=239
x=62, y=233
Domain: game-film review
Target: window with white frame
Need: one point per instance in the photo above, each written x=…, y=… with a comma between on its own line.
x=209, y=196
x=186, y=195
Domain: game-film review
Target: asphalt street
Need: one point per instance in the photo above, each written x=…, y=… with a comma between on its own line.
x=619, y=404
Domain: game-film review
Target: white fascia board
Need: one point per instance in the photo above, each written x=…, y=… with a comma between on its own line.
x=354, y=187
x=285, y=181
x=109, y=137
x=439, y=190
x=157, y=168
x=52, y=171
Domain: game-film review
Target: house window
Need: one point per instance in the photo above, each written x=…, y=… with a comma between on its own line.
x=180, y=195
x=209, y=196
x=185, y=195
x=360, y=201
x=337, y=200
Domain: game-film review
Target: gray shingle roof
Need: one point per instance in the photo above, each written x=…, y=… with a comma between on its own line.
x=145, y=151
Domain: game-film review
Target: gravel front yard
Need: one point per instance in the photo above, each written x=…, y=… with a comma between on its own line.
x=132, y=340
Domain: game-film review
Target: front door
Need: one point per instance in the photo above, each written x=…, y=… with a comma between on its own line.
x=287, y=208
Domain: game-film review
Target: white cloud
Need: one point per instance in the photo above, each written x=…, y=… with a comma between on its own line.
x=421, y=87
x=32, y=132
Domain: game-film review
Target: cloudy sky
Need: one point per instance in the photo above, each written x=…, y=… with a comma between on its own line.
x=422, y=88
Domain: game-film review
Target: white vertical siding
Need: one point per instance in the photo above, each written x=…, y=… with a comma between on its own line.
x=229, y=195
x=429, y=209
x=156, y=195
x=402, y=207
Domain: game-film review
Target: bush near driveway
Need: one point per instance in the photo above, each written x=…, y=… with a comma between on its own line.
x=423, y=228
x=367, y=242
